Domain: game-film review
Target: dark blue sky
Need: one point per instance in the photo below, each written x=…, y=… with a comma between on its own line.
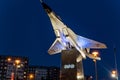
x=25, y=29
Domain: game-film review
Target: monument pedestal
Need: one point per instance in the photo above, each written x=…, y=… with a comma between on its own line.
x=70, y=68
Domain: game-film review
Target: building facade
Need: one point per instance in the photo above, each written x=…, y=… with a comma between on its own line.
x=53, y=73
x=43, y=73
x=37, y=73
x=13, y=67
x=17, y=68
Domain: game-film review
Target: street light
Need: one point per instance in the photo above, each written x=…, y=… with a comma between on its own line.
x=95, y=54
x=114, y=74
x=31, y=76
x=9, y=59
x=17, y=65
x=17, y=61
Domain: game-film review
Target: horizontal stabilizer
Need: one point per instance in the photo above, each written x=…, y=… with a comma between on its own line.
x=88, y=43
x=56, y=47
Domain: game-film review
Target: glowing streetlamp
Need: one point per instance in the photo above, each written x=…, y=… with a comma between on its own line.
x=17, y=61
x=31, y=76
x=95, y=54
x=17, y=65
x=114, y=74
x=9, y=59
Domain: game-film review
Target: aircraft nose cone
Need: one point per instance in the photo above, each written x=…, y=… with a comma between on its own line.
x=46, y=7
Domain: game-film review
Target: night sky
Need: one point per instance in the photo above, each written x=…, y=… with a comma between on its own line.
x=25, y=30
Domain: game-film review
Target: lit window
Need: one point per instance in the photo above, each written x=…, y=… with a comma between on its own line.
x=22, y=65
x=24, y=76
x=5, y=68
x=24, y=72
x=25, y=61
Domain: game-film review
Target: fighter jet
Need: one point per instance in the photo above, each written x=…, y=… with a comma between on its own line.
x=66, y=39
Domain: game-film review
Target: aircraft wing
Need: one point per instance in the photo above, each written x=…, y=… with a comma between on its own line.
x=88, y=43
x=56, y=47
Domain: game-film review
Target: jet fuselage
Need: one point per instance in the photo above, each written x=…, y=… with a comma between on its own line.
x=66, y=39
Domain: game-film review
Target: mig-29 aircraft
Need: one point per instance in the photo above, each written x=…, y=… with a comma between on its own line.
x=66, y=39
